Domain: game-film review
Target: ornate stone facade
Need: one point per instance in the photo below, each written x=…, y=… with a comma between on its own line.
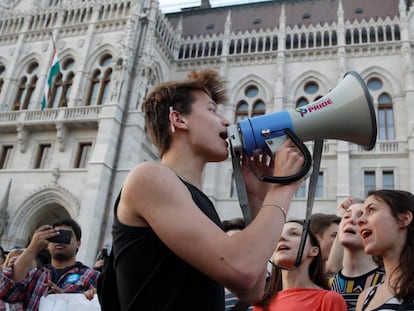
x=71, y=158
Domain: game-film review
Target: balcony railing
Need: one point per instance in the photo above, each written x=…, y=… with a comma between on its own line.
x=79, y=115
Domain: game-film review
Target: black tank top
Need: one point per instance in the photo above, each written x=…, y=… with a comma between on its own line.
x=150, y=277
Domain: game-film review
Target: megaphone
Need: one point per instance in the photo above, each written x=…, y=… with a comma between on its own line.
x=346, y=113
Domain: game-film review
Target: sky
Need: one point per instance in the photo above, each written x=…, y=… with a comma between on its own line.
x=168, y=6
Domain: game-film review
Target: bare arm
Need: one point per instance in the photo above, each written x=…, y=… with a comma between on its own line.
x=238, y=262
x=336, y=255
x=38, y=242
x=335, y=259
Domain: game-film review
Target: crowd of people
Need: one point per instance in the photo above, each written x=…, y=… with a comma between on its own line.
x=25, y=279
x=171, y=251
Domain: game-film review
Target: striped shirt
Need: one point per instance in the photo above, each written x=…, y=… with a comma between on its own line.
x=393, y=304
x=351, y=287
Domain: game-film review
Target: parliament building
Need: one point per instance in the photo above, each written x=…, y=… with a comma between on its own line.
x=69, y=155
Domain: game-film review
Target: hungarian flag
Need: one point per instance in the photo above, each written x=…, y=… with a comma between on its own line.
x=53, y=72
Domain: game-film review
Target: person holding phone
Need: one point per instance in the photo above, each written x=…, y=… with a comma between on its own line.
x=22, y=283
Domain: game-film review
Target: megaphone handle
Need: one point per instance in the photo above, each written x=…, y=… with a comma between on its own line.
x=241, y=188
x=313, y=181
x=302, y=242
x=307, y=164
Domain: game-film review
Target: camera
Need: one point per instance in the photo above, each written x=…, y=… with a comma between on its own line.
x=63, y=237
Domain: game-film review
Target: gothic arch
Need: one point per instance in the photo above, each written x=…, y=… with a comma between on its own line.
x=309, y=75
x=25, y=61
x=389, y=79
x=324, y=83
x=44, y=206
x=243, y=82
x=69, y=52
x=158, y=71
x=97, y=53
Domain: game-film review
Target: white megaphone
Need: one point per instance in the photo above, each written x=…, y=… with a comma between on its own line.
x=346, y=113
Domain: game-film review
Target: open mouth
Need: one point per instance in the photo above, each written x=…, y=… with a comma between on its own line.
x=223, y=135
x=365, y=233
x=350, y=230
x=282, y=248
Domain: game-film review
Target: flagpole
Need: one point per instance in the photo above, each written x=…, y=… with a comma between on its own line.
x=54, y=70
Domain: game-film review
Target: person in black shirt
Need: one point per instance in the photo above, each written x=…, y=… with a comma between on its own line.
x=171, y=252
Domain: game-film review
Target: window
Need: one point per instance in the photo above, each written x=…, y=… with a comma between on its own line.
x=20, y=94
x=378, y=179
x=259, y=108
x=374, y=84
x=26, y=87
x=251, y=91
x=94, y=89
x=385, y=118
x=56, y=92
x=252, y=104
x=388, y=180
x=301, y=102
x=62, y=85
x=100, y=82
x=308, y=93
x=5, y=156
x=319, y=186
x=105, y=60
x=311, y=87
x=105, y=86
x=302, y=192
x=30, y=90
x=42, y=155
x=369, y=181
x=83, y=155
x=242, y=111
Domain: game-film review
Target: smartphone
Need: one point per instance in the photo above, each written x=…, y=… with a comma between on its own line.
x=63, y=237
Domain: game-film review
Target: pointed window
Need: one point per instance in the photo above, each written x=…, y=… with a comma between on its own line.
x=100, y=82
x=385, y=117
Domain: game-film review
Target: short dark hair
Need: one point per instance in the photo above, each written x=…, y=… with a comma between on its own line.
x=320, y=222
x=179, y=95
x=70, y=223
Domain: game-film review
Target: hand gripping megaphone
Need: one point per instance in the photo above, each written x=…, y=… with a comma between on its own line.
x=346, y=113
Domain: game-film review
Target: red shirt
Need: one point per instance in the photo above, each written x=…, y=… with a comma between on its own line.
x=309, y=299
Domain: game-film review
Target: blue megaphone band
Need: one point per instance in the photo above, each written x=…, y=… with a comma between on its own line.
x=252, y=130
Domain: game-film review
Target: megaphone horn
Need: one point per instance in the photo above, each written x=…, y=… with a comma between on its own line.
x=346, y=113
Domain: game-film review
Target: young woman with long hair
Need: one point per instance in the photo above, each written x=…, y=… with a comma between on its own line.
x=387, y=230
x=299, y=288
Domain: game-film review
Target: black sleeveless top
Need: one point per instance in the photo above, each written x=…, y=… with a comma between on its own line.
x=151, y=277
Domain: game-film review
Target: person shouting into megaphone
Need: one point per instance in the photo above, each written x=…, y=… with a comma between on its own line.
x=170, y=250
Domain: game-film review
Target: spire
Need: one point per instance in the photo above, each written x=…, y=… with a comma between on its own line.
x=283, y=15
x=402, y=6
x=205, y=4
x=227, y=24
x=340, y=11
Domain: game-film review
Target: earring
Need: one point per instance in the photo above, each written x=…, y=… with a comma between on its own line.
x=172, y=125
